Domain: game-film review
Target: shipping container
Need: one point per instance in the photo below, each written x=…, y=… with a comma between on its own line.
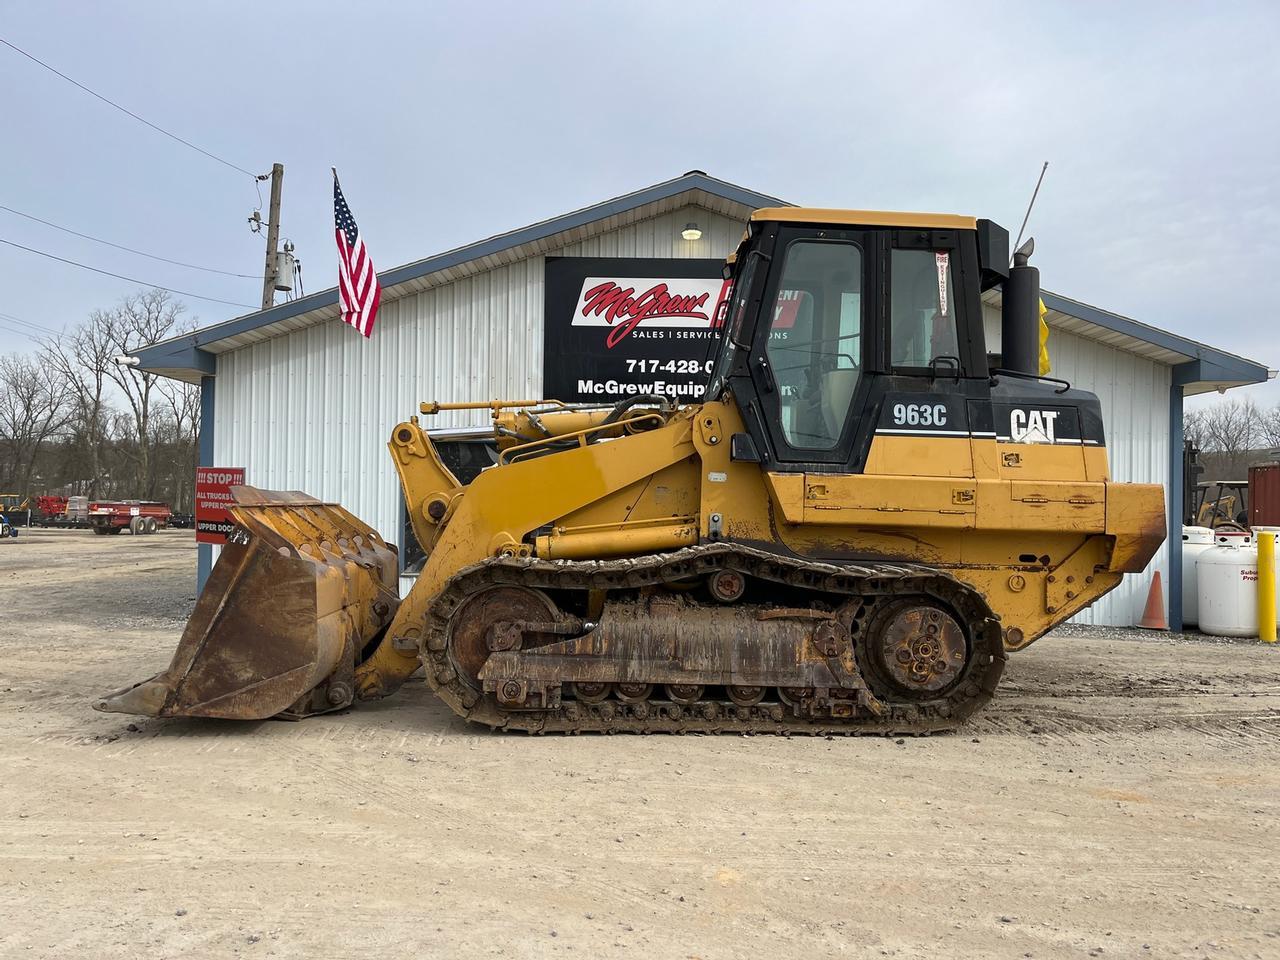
x=1264, y=495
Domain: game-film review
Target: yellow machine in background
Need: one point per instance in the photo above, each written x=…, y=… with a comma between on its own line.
x=849, y=533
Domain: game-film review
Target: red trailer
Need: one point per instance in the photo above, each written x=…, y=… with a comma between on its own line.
x=136, y=516
x=48, y=505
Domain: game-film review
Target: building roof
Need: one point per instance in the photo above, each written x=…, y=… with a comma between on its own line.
x=192, y=355
x=1200, y=367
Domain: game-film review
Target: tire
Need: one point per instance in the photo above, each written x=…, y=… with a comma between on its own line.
x=151, y=524
x=99, y=531
x=135, y=525
x=114, y=531
x=5, y=531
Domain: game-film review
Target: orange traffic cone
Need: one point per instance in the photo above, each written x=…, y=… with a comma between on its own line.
x=1153, y=615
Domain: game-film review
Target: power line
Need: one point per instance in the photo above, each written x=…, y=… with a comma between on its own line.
x=125, y=110
x=118, y=276
x=29, y=323
x=29, y=334
x=7, y=321
x=151, y=256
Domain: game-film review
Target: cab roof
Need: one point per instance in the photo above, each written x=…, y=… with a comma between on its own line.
x=855, y=218
x=864, y=218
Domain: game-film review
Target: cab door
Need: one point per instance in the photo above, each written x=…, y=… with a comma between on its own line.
x=814, y=346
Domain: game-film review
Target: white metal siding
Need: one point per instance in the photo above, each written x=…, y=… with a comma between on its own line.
x=313, y=409
x=1134, y=393
x=660, y=237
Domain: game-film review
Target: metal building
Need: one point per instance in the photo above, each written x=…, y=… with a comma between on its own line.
x=304, y=402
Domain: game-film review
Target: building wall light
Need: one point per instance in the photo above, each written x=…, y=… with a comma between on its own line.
x=691, y=231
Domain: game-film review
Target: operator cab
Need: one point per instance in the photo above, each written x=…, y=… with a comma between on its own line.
x=843, y=324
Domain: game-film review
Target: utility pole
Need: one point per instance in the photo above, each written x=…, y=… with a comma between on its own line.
x=273, y=235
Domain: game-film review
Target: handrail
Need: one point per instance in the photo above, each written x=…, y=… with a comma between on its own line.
x=430, y=407
x=523, y=449
x=1003, y=372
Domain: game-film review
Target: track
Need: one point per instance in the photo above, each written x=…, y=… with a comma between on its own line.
x=875, y=585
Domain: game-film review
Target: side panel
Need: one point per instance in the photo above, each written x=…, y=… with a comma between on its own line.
x=1134, y=393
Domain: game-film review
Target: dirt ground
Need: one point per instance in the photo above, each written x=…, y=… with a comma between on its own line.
x=1119, y=799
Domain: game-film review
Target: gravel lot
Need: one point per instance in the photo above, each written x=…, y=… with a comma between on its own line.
x=1119, y=799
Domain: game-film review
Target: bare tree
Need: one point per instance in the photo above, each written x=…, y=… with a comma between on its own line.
x=1194, y=429
x=82, y=359
x=181, y=403
x=1232, y=426
x=33, y=408
x=140, y=320
x=113, y=430
x=1232, y=435
x=1269, y=427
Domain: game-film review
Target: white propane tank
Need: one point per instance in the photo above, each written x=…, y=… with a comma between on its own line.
x=1228, y=595
x=1238, y=537
x=1195, y=541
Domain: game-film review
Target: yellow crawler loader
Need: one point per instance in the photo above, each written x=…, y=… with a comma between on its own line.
x=861, y=518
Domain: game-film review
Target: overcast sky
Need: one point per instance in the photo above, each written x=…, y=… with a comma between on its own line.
x=451, y=122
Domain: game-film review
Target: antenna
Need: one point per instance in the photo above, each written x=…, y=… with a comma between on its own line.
x=1034, y=193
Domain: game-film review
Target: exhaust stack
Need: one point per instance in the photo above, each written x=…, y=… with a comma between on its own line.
x=1020, y=315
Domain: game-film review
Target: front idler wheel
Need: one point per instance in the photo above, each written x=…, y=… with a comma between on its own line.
x=475, y=629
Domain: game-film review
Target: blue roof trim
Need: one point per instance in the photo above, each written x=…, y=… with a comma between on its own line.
x=151, y=357
x=178, y=354
x=1206, y=371
x=1218, y=365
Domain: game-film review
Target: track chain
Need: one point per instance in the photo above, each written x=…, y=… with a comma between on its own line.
x=874, y=582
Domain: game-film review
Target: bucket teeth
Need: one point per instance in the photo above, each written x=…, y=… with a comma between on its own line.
x=300, y=589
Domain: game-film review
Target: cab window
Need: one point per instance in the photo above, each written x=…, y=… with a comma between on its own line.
x=922, y=308
x=815, y=340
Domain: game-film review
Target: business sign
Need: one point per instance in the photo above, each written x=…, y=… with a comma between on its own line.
x=623, y=327
x=213, y=495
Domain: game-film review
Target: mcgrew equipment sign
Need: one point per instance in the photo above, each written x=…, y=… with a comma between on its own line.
x=622, y=327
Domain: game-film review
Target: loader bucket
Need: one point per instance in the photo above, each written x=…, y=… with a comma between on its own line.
x=300, y=590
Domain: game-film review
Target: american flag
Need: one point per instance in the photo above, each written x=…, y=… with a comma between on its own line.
x=358, y=291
